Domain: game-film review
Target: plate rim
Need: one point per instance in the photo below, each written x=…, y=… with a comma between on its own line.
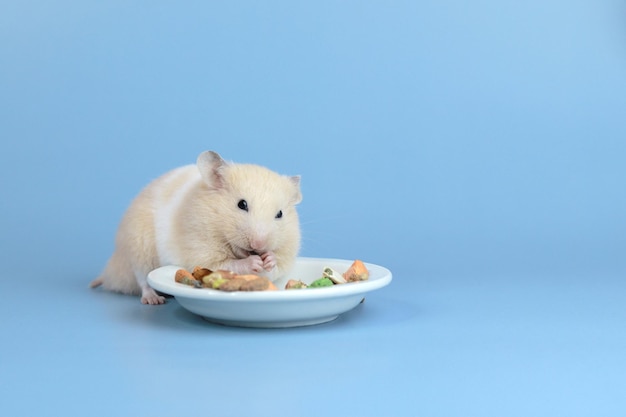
x=177, y=290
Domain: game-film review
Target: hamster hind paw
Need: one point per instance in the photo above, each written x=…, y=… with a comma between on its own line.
x=149, y=296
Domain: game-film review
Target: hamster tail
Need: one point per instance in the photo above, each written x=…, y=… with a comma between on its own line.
x=96, y=282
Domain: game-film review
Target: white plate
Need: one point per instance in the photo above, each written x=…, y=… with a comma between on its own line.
x=282, y=308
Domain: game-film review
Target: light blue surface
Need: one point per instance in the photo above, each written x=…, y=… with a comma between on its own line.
x=476, y=149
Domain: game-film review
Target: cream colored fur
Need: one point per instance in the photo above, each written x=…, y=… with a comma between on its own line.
x=190, y=216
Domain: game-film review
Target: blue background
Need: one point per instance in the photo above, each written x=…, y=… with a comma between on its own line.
x=476, y=149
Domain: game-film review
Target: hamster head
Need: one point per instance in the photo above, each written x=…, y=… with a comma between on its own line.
x=256, y=207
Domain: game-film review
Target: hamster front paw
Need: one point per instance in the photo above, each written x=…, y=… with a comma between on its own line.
x=269, y=260
x=252, y=264
x=247, y=265
x=255, y=263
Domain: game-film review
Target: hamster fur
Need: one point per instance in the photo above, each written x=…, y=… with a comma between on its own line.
x=215, y=214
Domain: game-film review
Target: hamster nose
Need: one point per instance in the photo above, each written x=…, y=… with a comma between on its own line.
x=258, y=244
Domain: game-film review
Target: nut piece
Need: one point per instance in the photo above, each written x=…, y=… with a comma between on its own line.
x=257, y=284
x=200, y=272
x=233, y=284
x=267, y=286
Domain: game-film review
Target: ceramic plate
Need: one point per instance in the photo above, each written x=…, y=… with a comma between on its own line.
x=282, y=308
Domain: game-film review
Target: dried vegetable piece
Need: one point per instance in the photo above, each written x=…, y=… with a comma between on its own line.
x=334, y=276
x=294, y=284
x=184, y=277
x=322, y=282
x=356, y=272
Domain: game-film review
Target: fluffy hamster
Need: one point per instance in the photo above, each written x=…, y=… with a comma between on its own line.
x=216, y=214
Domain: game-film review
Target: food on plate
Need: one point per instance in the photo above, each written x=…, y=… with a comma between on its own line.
x=229, y=281
x=356, y=272
x=294, y=284
x=256, y=283
x=185, y=277
x=334, y=276
x=199, y=272
x=223, y=280
x=215, y=279
x=321, y=282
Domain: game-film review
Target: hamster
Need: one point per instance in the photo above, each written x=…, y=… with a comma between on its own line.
x=216, y=214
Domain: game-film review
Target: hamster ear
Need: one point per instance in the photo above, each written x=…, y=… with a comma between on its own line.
x=210, y=165
x=295, y=180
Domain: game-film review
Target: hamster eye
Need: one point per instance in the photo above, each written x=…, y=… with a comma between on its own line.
x=243, y=204
x=279, y=214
